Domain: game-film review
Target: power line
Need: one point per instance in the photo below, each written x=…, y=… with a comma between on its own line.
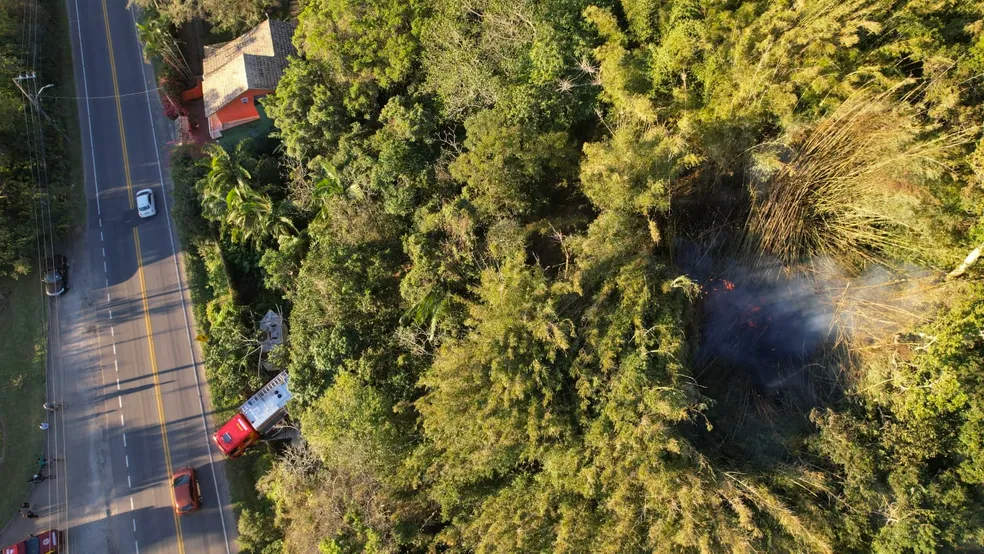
x=33, y=98
x=36, y=212
x=109, y=97
x=44, y=199
x=37, y=209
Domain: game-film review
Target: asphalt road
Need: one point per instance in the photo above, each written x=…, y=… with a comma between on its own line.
x=122, y=356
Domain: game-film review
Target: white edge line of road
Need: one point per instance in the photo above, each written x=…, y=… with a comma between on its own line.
x=88, y=113
x=177, y=272
x=95, y=185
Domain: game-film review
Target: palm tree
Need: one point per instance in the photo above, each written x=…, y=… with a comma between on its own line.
x=248, y=214
x=227, y=171
x=229, y=198
x=155, y=34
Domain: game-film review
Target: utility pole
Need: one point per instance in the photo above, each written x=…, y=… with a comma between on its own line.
x=34, y=99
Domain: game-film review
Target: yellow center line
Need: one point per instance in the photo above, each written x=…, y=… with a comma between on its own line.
x=140, y=274
x=119, y=107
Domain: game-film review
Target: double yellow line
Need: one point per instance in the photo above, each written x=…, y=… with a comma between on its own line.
x=140, y=274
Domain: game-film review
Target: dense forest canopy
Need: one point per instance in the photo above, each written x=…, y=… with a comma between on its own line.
x=611, y=276
x=26, y=184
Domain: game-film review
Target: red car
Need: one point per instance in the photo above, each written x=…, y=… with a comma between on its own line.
x=187, y=497
x=47, y=542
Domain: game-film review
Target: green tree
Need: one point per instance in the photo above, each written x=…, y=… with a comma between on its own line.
x=257, y=534
x=346, y=511
x=236, y=16
x=309, y=110
x=281, y=266
x=523, y=56
x=22, y=224
x=365, y=43
x=249, y=214
x=233, y=16
x=632, y=172
x=444, y=256
x=230, y=196
x=507, y=168
x=908, y=446
x=187, y=168
x=497, y=398
x=404, y=151
x=227, y=171
x=350, y=428
x=346, y=299
x=229, y=360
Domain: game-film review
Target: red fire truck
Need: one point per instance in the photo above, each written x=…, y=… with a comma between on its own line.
x=48, y=542
x=255, y=418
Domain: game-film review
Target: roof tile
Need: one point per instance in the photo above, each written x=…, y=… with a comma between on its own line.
x=255, y=60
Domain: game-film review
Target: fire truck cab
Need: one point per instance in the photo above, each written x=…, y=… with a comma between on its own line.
x=256, y=417
x=47, y=542
x=236, y=436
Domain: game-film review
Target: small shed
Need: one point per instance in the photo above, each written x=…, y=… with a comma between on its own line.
x=271, y=331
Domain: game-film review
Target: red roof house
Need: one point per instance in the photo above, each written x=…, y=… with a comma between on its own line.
x=239, y=72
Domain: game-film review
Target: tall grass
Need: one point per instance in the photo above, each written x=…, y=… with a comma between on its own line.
x=838, y=192
x=22, y=389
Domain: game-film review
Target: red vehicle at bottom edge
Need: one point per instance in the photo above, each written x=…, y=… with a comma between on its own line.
x=46, y=542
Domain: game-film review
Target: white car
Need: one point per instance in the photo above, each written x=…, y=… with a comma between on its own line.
x=145, y=203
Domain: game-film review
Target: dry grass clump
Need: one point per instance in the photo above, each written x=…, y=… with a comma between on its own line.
x=869, y=314
x=843, y=187
x=876, y=318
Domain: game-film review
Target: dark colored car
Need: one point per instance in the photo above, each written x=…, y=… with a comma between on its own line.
x=55, y=275
x=187, y=497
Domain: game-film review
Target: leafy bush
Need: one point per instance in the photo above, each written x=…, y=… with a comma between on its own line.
x=20, y=150
x=171, y=84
